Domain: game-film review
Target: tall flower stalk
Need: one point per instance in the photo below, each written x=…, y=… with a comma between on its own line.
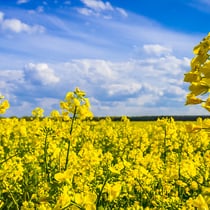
x=77, y=106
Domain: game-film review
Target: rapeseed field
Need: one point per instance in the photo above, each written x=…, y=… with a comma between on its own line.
x=69, y=161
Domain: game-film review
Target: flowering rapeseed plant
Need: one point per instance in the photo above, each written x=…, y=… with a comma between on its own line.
x=199, y=74
x=78, y=106
x=4, y=105
x=199, y=79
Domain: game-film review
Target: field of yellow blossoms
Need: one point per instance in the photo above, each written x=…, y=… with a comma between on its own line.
x=69, y=161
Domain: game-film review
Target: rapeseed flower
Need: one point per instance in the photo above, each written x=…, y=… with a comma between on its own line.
x=192, y=99
x=37, y=112
x=4, y=105
x=200, y=203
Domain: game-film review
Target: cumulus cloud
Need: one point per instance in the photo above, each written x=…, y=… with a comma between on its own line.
x=124, y=89
x=156, y=79
x=17, y=26
x=98, y=7
x=10, y=76
x=132, y=87
x=156, y=49
x=10, y=82
x=40, y=73
x=85, y=11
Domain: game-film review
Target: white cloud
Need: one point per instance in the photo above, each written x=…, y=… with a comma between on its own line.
x=127, y=88
x=122, y=12
x=132, y=87
x=48, y=103
x=40, y=73
x=157, y=77
x=97, y=5
x=17, y=26
x=11, y=75
x=85, y=11
x=10, y=82
x=1, y=16
x=156, y=49
x=95, y=70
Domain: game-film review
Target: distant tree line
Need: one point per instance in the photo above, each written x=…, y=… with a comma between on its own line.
x=134, y=118
x=155, y=118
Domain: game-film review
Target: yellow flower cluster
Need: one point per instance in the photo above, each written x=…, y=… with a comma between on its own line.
x=76, y=104
x=50, y=163
x=199, y=75
x=111, y=165
x=38, y=112
x=4, y=105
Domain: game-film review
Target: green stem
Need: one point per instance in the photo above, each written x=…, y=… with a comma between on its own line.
x=69, y=143
x=45, y=155
x=101, y=191
x=15, y=202
x=180, y=159
x=72, y=204
x=9, y=158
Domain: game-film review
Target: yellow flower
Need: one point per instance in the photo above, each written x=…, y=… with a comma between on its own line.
x=197, y=61
x=55, y=114
x=191, y=99
x=64, y=199
x=196, y=49
x=200, y=203
x=205, y=70
x=4, y=106
x=206, y=105
x=194, y=185
x=198, y=88
x=181, y=183
x=79, y=92
x=75, y=103
x=64, y=105
x=206, y=191
x=69, y=96
x=38, y=112
x=192, y=127
x=1, y=203
x=60, y=177
x=199, y=75
x=66, y=176
x=113, y=190
x=192, y=77
x=86, y=200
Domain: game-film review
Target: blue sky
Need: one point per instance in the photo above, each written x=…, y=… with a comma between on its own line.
x=130, y=58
